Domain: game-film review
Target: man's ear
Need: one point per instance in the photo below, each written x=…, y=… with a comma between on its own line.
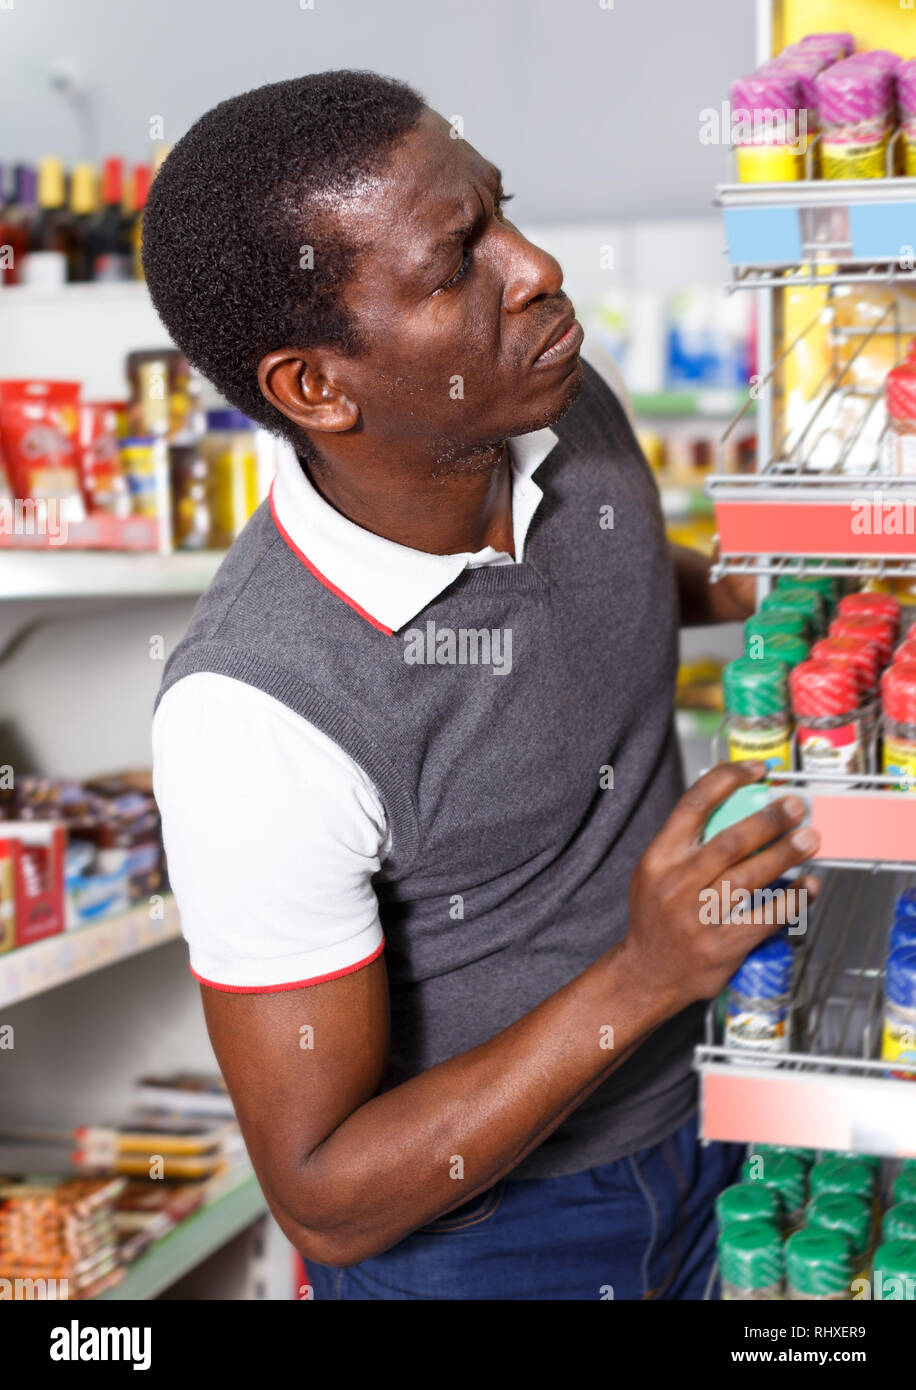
x=298, y=384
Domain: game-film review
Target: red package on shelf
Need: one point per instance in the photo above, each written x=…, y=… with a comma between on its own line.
x=39, y=437
x=38, y=851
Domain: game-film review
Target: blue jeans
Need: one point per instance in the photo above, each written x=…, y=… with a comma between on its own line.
x=641, y=1227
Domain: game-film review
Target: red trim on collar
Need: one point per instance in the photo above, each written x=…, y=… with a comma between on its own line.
x=322, y=578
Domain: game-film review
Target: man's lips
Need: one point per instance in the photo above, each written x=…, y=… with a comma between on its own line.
x=565, y=340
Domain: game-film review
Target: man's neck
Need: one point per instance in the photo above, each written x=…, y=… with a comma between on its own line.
x=462, y=505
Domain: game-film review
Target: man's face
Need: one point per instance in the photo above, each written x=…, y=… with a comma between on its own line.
x=454, y=307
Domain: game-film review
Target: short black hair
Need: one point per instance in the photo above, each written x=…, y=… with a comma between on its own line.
x=233, y=207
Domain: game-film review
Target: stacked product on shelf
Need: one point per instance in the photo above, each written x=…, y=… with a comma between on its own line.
x=139, y=1179
x=73, y=853
x=61, y=228
x=805, y=1229
x=152, y=472
x=817, y=109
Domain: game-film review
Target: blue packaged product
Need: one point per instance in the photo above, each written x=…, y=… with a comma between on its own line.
x=758, y=999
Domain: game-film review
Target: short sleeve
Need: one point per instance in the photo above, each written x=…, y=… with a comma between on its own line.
x=272, y=834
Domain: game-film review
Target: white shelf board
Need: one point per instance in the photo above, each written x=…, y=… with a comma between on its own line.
x=65, y=574
x=29, y=970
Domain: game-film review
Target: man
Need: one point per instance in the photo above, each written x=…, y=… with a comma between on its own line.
x=415, y=755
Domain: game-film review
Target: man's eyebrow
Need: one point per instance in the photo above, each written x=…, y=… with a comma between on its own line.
x=457, y=234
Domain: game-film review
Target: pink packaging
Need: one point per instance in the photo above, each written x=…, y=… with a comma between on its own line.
x=766, y=93
x=840, y=44
x=852, y=93
x=803, y=67
x=906, y=89
x=877, y=58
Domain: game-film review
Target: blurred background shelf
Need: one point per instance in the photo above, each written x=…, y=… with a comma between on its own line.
x=65, y=574
x=193, y=1241
x=31, y=970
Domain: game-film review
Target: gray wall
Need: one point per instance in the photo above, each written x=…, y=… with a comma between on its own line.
x=591, y=112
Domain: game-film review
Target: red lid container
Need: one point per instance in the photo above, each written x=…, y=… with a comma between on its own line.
x=876, y=605
x=872, y=628
x=823, y=689
x=898, y=692
x=900, y=391
x=852, y=651
x=906, y=651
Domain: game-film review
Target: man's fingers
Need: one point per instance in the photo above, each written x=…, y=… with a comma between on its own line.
x=777, y=825
x=682, y=830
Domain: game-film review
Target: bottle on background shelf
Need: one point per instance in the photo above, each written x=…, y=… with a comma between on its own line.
x=142, y=177
x=109, y=255
x=19, y=213
x=50, y=244
x=84, y=207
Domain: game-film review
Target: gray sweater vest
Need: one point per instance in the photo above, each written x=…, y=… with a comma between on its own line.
x=520, y=791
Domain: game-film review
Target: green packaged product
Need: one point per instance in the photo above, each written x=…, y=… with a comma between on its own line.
x=748, y=1202
x=787, y=621
x=824, y=584
x=802, y=600
x=806, y=1156
x=905, y=1185
x=900, y=1222
x=894, y=1271
x=751, y=1261
x=783, y=1173
x=818, y=1264
x=848, y=1176
x=778, y=646
x=847, y=1215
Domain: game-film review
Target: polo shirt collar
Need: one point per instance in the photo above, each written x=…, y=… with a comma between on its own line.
x=386, y=583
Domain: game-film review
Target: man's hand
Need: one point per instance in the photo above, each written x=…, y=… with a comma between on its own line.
x=729, y=600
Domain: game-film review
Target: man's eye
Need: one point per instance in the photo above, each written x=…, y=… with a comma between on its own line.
x=461, y=272
x=501, y=200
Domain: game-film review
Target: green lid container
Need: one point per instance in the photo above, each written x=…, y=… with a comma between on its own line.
x=748, y=1202
x=785, y=620
x=802, y=600
x=873, y=1161
x=785, y=1174
x=900, y=1222
x=806, y=1156
x=777, y=646
x=905, y=1185
x=849, y=1216
x=750, y=1255
x=818, y=1262
x=785, y=615
x=824, y=584
x=848, y=1176
x=755, y=689
x=895, y=1260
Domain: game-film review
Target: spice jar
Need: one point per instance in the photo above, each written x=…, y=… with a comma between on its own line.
x=870, y=628
x=894, y=1271
x=228, y=448
x=802, y=599
x=898, y=1038
x=849, y=1216
x=783, y=620
x=756, y=701
x=751, y=1262
x=850, y=1176
x=758, y=999
x=825, y=705
x=192, y=515
x=904, y=1188
x=767, y=112
x=778, y=646
x=818, y=1265
x=900, y=1222
x=788, y=1178
x=747, y=1201
x=898, y=705
x=824, y=584
x=856, y=105
x=906, y=100
x=900, y=399
x=863, y=657
x=883, y=606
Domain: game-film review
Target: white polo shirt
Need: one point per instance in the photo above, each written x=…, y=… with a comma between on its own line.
x=272, y=832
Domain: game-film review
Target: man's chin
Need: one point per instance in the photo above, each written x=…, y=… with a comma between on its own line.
x=555, y=404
